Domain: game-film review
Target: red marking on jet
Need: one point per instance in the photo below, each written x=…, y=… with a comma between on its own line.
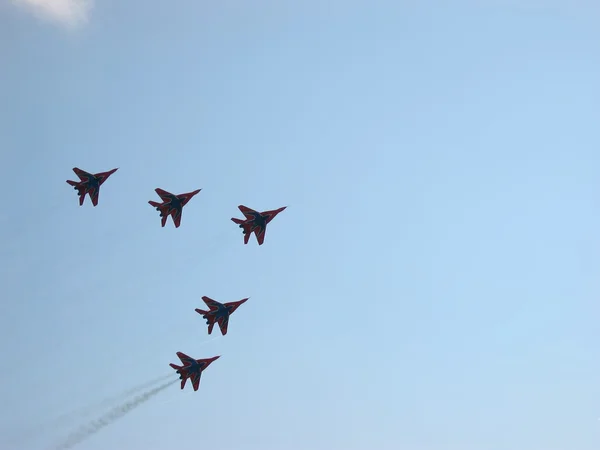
x=89, y=184
x=192, y=368
x=172, y=205
x=219, y=313
x=255, y=222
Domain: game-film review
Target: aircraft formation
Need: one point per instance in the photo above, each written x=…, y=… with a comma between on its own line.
x=172, y=205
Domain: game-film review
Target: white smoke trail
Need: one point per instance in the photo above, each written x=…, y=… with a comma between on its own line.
x=87, y=410
x=87, y=431
x=22, y=436
x=69, y=13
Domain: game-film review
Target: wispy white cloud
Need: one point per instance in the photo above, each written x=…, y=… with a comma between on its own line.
x=71, y=13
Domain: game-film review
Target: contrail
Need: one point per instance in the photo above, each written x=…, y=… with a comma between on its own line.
x=87, y=431
x=87, y=410
x=35, y=431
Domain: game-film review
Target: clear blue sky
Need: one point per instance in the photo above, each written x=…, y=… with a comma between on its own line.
x=433, y=284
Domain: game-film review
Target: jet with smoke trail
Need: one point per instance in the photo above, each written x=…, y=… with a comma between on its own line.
x=192, y=368
x=87, y=431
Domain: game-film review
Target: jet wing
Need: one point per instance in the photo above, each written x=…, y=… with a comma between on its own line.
x=247, y=235
x=223, y=323
x=260, y=235
x=270, y=215
x=248, y=212
x=103, y=176
x=212, y=304
x=81, y=197
x=164, y=195
x=185, y=198
x=195, y=377
x=185, y=359
x=82, y=174
x=94, y=194
x=176, y=215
